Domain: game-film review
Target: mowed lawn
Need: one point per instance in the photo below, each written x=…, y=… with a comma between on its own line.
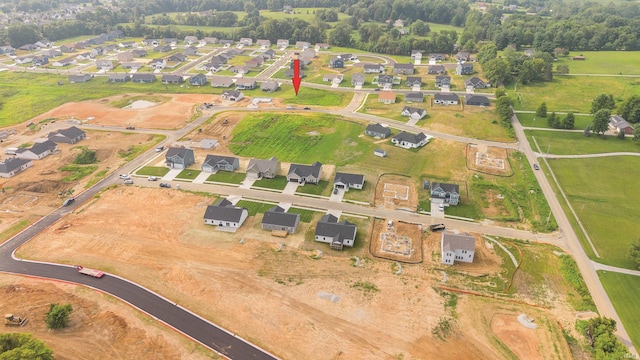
x=603, y=62
x=603, y=193
x=575, y=143
x=624, y=291
x=531, y=120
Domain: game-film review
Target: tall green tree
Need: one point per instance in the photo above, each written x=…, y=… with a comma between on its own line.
x=601, y=121
x=497, y=71
x=341, y=35
x=58, y=315
x=487, y=52
x=505, y=111
x=21, y=346
x=603, y=101
x=569, y=121
x=542, y=110
x=553, y=121
x=636, y=132
x=630, y=109
x=420, y=28
x=634, y=252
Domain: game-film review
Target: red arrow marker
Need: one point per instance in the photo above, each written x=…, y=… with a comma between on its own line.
x=296, y=75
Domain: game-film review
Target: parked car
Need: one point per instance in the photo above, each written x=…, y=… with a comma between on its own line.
x=131, y=127
x=290, y=107
x=128, y=182
x=68, y=202
x=436, y=227
x=124, y=176
x=307, y=108
x=441, y=207
x=165, y=185
x=152, y=178
x=335, y=191
x=536, y=167
x=159, y=148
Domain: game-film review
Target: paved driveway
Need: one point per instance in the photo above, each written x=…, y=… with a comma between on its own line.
x=171, y=174
x=291, y=188
x=201, y=178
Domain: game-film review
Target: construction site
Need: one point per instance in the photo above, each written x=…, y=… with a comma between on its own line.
x=396, y=240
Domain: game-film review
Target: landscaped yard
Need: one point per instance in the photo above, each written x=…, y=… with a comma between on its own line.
x=278, y=183
x=390, y=111
x=255, y=207
x=305, y=214
x=227, y=177
x=153, y=171
x=322, y=188
x=474, y=121
x=188, y=174
x=575, y=143
x=601, y=191
x=624, y=291
x=531, y=120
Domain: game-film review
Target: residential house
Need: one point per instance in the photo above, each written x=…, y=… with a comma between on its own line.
x=127, y=44
x=125, y=56
x=12, y=166
x=143, y=78
x=457, y=247
x=416, y=55
x=225, y=215
x=414, y=81
x=402, y=69
x=95, y=52
x=7, y=50
x=221, y=81
x=210, y=40
x=464, y=69
x=302, y=45
x=287, y=9
x=413, y=113
x=346, y=181
x=38, y=151
x=269, y=86
x=69, y=48
x=437, y=56
x=105, y=65
x=213, y=163
x=446, y=99
x=24, y=59
x=336, y=234
x=264, y=44
x=50, y=53
x=198, y=80
x=436, y=70
x=304, y=174
x=414, y=97
x=64, y=62
x=211, y=66
x=333, y=78
x=269, y=54
x=386, y=81
x=387, y=97
x=256, y=62
x=119, y=77
x=246, y=84
x=373, y=69
x=40, y=60
x=347, y=57
x=158, y=64
x=221, y=59
x=131, y=65
x=177, y=57
x=191, y=51
x=442, y=193
x=282, y=43
x=190, y=39
x=258, y=168
x=474, y=83
x=476, y=100
x=179, y=158
x=170, y=41
x=139, y=53
x=277, y=219
x=246, y=41
x=172, y=79
x=309, y=54
x=162, y=48
x=83, y=56
x=232, y=95
x=463, y=56
x=357, y=80
x=290, y=72
x=152, y=42
x=617, y=123
x=226, y=42
x=407, y=140
x=321, y=46
x=336, y=62
x=378, y=131
x=28, y=47
x=443, y=80
x=83, y=78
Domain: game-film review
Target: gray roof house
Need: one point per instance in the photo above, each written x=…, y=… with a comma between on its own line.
x=463, y=56
x=443, y=80
x=282, y=43
x=414, y=81
x=464, y=69
x=457, y=247
x=414, y=97
x=402, y=69
x=337, y=234
x=436, y=70
x=80, y=78
x=68, y=136
x=442, y=193
x=259, y=168
x=407, y=140
x=177, y=57
x=476, y=100
x=172, y=79
x=357, y=80
x=179, y=158
x=373, y=69
x=416, y=55
x=617, y=123
x=213, y=163
x=38, y=151
x=377, y=131
x=303, y=174
x=232, y=95
x=269, y=86
x=414, y=113
x=191, y=51
x=119, y=77
x=246, y=84
x=348, y=181
x=474, y=83
x=221, y=81
x=446, y=99
x=277, y=219
x=143, y=78
x=12, y=166
x=225, y=215
x=198, y=80
x=437, y=56
x=336, y=62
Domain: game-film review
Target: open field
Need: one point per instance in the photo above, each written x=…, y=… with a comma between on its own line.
x=608, y=216
x=603, y=62
x=575, y=143
x=624, y=291
x=531, y=120
x=128, y=333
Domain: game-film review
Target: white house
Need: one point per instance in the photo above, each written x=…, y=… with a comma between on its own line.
x=225, y=215
x=457, y=247
x=407, y=140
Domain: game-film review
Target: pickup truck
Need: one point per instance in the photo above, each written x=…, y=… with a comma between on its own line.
x=90, y=272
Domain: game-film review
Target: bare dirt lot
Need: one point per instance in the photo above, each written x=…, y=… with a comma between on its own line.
x=157, y=238
x=99, y=327
x=400, y=242
x=488, y=159
x=396, y=192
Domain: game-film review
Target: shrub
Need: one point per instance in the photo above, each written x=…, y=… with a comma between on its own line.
x=86, y=156
x=58, y=316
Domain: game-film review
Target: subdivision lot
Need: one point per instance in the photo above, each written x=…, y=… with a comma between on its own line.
x=575, y=143
x=624, y=291
x=399, y=241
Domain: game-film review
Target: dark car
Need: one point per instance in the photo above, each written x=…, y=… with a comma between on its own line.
x=535, y=166
x=437, y=227
x=376, y=89
x=307, y=108
x=165, y=185
x=68, y=202
x=131, y=128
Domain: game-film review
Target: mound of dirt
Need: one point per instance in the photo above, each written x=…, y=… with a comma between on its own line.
x=43, y=186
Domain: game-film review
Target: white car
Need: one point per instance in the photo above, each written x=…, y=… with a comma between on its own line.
x=124, y=176
x=152, y=178
x=128, y=182
x=441, y=207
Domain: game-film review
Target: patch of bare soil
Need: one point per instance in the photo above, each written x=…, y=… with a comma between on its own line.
x=488, y=159
x=400, y=242
x=496, y=207
x=396, y=192
x=485, y=260
x=98, y=328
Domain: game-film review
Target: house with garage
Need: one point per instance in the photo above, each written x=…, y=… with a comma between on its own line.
x=139, y=53
x=119, y=77
x=333, y=78
x=152, y=42
x=463, y=56
x=127, y=44
x=346, y=181
x=402, y=69
x=172, y=79
x=378, y=131
x=143, y=78
x=336, y=234
x=617, y=123
x=277, y=219
x=225, y=215
x=446, y=99
x=416, y=96
x=68, y=48
x=442, y=193
x=211, y=66
x=436, y=70
x=259, y=168
x=226, y=42
x=210, y=40
x=240, y=69
x=413, y=113
x=125, y=56
x=70, y=135
x=221, y=81
x=290, y=72
x=410, y=141
x=321, y=46
x=40, y=60
x=50, y=53
x=191, y=51
x=282, y=43
x=213, y=163
x=105, y=65
x=246, y=41
x=132, y=65
x=476, y=100
x=443, y=80
x=64, y=62
x=198, y=80
x=385, y=81
x=387, y=97
x=269, y=54
x=162, y=48
x=246, y=84
x=464, y=69
x=80, y=78
x=305, y=174
x=83, y=56
x=336, y=62
x=179, y=158
x=457, y=247
x=12, y=166
x=473, y=83
x=269, y=86
x=170, y=41
x=416, y=55
x=357, y=80
x=302, y=45
x=158, y=64
x=437, y=56
x=263, y=43
x=232, y=95
x=373, y=69
x=414, y=81
x=38, y=151
x=190, y=39
x=177, y=57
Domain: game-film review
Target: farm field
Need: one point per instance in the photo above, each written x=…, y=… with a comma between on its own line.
x=603, y=62
x=575, y=143
x=598, y=208
x=624, y=290
x=531, y=120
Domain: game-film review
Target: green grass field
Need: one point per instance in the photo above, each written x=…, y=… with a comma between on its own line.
x=575, y=143
x=603, y=62
x=227, y=177
x=153, y=171
x=605, y=204
x=322, y=188
x=531, y=120
x=305, y=214
x=277, y=183
x=77, y=172
x=624, y=291
x=253, y=207
x=188, y=174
